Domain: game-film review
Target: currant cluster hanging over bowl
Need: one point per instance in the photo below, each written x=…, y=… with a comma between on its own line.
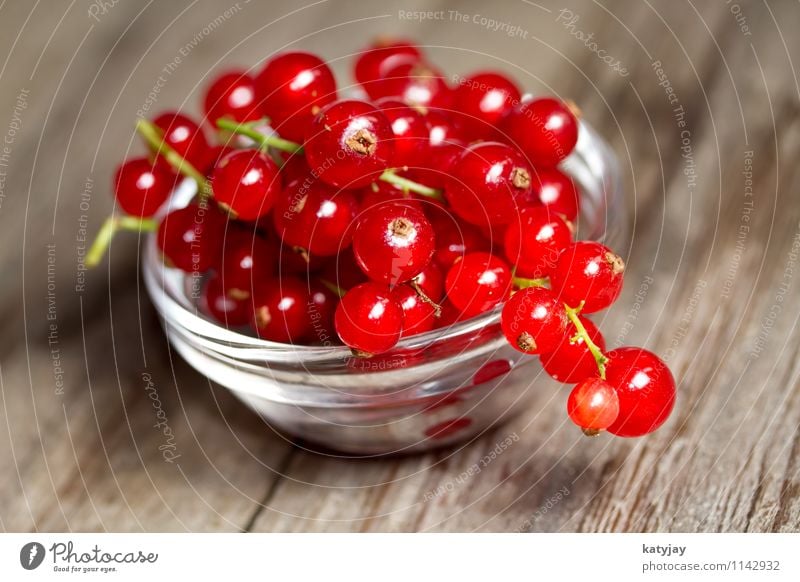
x=422, y=204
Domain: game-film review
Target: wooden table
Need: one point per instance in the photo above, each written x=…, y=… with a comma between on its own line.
x=699, y=100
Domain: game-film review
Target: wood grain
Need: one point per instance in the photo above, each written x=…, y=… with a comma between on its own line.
x=712, y=285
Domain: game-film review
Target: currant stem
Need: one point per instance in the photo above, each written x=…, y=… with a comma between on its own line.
x=599, y=357
x=267, y=141
x=333, y=287
x=153, y=137
x=110, y=227
x=437, y=309
x=523, y=283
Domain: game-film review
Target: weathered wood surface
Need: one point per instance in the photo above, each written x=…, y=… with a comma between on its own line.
x=712, y=285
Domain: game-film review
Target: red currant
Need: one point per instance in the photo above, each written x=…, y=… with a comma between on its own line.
x=185, y=137
x=373, y=63
x=410, y=132
x=454, y=239
x=321, y=307
x=544, y=129
x=434, y=171
x=419, y=316
x=223, y=308
x=588, y=272
x=477, y=283
x=534, y=241
x=246, y=182
x=393, y=243
x=444, y=128
x=280, y=310
x=141, y=187
x=534, y=321
x=416, y=83
x=190, y=238
x=431, y=282
x=343, y=271
x=293, y=87
x=593, y=405
x=571, y=361
x=369, y=320
x=483, y=99
x=232, y=94
x=646, y=391
x=349, y=144
x=489, y=183
x=313, y=217
x=557, y=192
x=247, y=260
x=380, y=192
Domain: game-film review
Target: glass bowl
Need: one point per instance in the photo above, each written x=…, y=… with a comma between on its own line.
x=432, y=390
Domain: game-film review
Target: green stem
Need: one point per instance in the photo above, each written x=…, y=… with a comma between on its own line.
x=268, y=141
x=523, y=283
x=154, y=138
x=599, y=357
x=333, y=287
x=110, y=227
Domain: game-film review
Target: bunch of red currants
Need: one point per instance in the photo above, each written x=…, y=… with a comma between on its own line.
x=425, y=202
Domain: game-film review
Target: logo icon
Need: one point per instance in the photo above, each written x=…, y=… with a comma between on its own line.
x=31, y=555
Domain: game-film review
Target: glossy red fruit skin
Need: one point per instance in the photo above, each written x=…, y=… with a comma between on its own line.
x=343, y=271
x=322, y=304
x=557, y=192
x=393, y=243
x=190, y=238
x=534, y=321
x=233, y=95
x=186, y=137
x=247, y=259
x=483, y=99
x=534, y=240
x=246, y=182
x=646, y=391
x=544, y=129
x=431, y=282
x=223, y=308
x=280, y=310
x=368, y=319
x=590, y=272
x=316, y=218
x=410, y=131
x=477, y=283
x=349, y=144
x=417, y=84
x=373, y=63
x=380, y=192
x=292, y=88
x=444, y=128
x=489, y=183
x=593, y=405
x=141, y=187
x=418, y=316
x=434, y=171
x=571, y=362
x=454, y=238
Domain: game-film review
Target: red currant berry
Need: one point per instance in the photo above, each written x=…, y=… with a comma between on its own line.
x=190, y=238
x=410, y=132
x=221, y=307
x=292, y=88
x=141, y=187
x=232, y=94
x=419, y=316
x=544, y=129
x=454, y=239
x=593, y=405
x=444, y=128
x=588, y=272
x=295, y=261
x=489, y=183
x=280, y=310
x=431, y=282
x=418, y=84
x=343, y=271
x=313, y=217
x=373, y=63
x=483, y=99
x=380, y=192
x=185, y=137
x=349, y=144
x=557, y=192
x=293, y=169
x=369, y=320
x=247, y=260
x=534, y=321
x=646, y=391
x=393, y=243
x=477, y=283
x=322, y=304
x=571, y=361
x=246, y=182
x=534, y=241
x=435, y=170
